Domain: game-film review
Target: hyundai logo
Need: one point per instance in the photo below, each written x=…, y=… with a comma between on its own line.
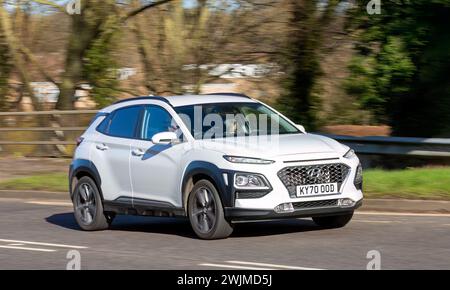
x=315, y=173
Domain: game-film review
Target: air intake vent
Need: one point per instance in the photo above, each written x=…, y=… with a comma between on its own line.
x=315, y=204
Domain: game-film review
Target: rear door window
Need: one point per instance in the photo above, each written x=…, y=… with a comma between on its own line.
x=122, y=123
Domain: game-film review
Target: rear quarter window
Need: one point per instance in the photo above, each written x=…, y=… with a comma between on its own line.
x=103, y=127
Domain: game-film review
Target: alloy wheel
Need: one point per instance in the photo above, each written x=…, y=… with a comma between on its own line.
x=85, y=203
x=204, y=210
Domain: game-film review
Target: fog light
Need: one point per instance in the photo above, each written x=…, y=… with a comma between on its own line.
x=284, y=207
x=346, y=202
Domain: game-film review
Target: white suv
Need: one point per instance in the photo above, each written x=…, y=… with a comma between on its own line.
x=213, y=159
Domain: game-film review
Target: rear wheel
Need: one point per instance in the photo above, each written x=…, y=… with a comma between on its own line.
x=206, y=213
x=88, y=207
x=331, y=222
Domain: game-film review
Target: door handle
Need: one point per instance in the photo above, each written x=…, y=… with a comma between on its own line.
x=101, y=147
x=138, y=152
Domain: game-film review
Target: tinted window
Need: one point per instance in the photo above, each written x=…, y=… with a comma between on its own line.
x=156, y=120
x=123, y=122
x=103, y=125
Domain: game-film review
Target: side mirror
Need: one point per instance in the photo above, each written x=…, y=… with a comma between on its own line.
x=164, y=138
x=301, y=128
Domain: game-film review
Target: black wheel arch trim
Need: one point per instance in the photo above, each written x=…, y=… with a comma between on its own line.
x=84, y=166
x=226, y=190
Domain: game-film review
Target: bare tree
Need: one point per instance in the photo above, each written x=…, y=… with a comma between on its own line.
x=99, y=19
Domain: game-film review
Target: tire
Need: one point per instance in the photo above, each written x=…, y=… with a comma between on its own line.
x=332, y=222
x=206, y=213
x=88, y=207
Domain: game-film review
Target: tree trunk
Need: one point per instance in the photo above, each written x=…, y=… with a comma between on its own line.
x=15, y=54
x=143, y=52
x=81, y=38
x=302, y=63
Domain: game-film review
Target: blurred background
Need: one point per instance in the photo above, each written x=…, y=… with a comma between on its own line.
x=349, y=69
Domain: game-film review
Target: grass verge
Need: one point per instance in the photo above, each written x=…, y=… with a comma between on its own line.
x=44, y=182
x=417, y=183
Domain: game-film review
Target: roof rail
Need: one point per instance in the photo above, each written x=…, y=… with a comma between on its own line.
x=229, y=94
x=157, y=98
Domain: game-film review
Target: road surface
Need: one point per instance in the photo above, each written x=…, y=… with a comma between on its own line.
x=39, y=235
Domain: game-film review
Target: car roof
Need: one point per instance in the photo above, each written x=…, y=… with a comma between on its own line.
x=186, y=100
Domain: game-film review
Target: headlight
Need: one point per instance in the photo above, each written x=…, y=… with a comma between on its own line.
x=250, y=181
x=350, y=153
x=247, y=160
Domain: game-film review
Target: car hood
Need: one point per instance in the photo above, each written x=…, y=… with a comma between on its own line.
x=277, y=146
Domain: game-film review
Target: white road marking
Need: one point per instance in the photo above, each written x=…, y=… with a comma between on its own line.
x=233, y=266
x=254, y=266
x=43, y=244
x=27, y=249
x=272, y=265
x=382, y=213
x=411, y=222
x=55, y=203
x=375, y=222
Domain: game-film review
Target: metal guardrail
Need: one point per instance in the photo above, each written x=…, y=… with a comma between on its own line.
x=419, y=147
x=362, y=145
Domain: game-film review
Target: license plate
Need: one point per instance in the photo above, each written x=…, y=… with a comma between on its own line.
x=317, y=189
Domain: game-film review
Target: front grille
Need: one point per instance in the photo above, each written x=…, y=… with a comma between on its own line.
x=315, y=204
x=298, y=175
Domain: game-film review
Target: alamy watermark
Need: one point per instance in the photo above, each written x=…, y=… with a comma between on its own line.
x=374, y=257
x=219, y=126
x=73, y=7
x=373, y=7
x=74, y=258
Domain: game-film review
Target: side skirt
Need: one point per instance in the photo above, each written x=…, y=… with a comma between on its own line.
x=142, y=207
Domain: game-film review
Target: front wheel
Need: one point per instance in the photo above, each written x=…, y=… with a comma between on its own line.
x=88, y=207
x=331, y=222
x=206, y=213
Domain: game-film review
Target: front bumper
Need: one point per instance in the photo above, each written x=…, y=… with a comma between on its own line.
x=280, y=192
x=234, y=214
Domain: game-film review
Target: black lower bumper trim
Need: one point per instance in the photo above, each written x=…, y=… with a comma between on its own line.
x=144, y=207
x=242, y=214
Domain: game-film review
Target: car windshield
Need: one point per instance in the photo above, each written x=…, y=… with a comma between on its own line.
x=222, y=120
